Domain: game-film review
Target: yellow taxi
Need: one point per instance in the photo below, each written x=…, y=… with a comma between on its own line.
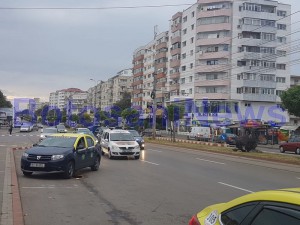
x=273, y=207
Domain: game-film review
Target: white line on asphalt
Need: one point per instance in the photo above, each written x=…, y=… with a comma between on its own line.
x=152, y=150
x=150, y=162
x=17, y=135
x=298, y=178
x=235, y=187
x=51, y=187
x=211, y=161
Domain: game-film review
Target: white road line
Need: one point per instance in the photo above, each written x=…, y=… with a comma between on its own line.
x=298, y=178
x=235, y=187
x=150, y=162
x=210, y=161
x=47, y=187
x=152, y=150
x=17, y=135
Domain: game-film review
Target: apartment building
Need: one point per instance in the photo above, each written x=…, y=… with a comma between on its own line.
x=113, y=89
x=60, y=99
x=229, y=57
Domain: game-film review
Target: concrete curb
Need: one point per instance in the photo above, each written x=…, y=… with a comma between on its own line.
x=194, y=142
x=18, y=218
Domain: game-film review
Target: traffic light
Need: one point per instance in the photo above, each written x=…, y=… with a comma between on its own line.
x=152, y=95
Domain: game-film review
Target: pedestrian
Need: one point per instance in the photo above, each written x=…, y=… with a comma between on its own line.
x=10, y=128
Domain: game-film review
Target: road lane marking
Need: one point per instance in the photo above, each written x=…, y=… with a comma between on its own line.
x=210, y=161
x=152, y=150
x=235, y=187
x=51, y=187
x=298, y=178
x=150, y=162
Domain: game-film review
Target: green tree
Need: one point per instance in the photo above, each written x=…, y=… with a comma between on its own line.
x=74, y=117
x=130, y=116
x=175, y=113
x=3, y=101
x=125, y=102
x=291, y=100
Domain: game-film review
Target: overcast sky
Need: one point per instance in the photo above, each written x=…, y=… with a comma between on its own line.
x=44, y=50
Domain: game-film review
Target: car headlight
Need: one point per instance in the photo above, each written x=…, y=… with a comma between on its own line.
x=42, y=136
x=142, y=141
x=25, y=154
x=56, y=157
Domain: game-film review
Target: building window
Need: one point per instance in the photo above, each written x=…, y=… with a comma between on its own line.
x=184, y=44
x=184, y=31
x=184, y=19
x=192, y=40
x=192, y=26
x=279, y=92
x=281, y=26
x=183, y=68
x=211, y=90
x=211, y=76
x=281, y=39
x=193, y=14
x=280, y=79
x=183, y=56
x=190, y=79
x=191, y=65
x=280, y=66
x=281, y=13
x=183, y=80
x=190, y=91
x=212, y=62
x=192, y=52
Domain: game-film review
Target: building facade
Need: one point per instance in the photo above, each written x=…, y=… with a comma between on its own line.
x=230, y=58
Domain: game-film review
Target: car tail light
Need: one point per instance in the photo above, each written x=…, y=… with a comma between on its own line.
x=194, y=221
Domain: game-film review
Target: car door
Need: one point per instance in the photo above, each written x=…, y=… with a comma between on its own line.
x=80, y=153
x=104, y=142
x=91, y=152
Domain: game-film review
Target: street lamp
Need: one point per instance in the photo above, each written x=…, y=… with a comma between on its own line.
x=153, y=95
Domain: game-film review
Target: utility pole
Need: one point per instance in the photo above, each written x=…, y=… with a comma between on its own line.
x=153, y=94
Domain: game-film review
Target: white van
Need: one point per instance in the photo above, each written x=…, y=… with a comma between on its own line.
x=199, y=134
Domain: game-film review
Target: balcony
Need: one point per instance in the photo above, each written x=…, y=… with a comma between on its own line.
x=135, y=83
x=174, y=63
x=161, y=65
x=138, y=74
x=161, y=55
x=138, y=58
x=213, y=27
x=175, y=75
x=256, y=83
x=212, y=1
x=176, y=27
x=138, y=66
x=212, y=13
x=174, y=87
x=213, y=41
x=176, y=40
x=250, y=28
x=161, y=45
x=175, y=51
x=212, y=95
x=203, y=68
x=212, y=55
x=204, y=83
x=257, y=97
x=160, y=75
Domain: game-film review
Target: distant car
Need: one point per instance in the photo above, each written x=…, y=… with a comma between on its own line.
x=149, y=131
x=86, y=131
x=47, y=132
x=273, y=207
x=119, y=143
x=26, y=127
x=62, y=153
x=292, y=145
x=139, y=139
x=61, y=128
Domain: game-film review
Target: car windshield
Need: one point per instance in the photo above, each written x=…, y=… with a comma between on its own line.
x=121, y=137
x=49, y=130
x=63, y=142
x=135, y=133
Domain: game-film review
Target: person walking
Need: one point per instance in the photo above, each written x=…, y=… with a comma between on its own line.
x=10, y=128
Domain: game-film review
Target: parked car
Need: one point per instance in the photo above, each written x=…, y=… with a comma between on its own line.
x=47, y=132
x=199, y=134
x=139, y=139
x=119, y=143
x=292, y=145
x=149, y=131
x=62, y=153
x=273, y=207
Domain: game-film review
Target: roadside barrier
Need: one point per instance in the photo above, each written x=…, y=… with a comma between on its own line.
x=194, y=142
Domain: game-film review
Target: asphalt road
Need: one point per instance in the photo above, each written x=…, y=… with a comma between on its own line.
x=166, y=186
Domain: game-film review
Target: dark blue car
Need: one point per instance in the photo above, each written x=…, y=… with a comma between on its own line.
x=62, y=153
x=139, y=139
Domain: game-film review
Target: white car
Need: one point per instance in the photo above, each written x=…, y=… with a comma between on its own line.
x=119, y=143
x=26, y=127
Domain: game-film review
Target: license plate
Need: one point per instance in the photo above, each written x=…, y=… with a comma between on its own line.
x=40, y=165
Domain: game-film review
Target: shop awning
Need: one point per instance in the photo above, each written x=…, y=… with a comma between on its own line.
x=290, y=128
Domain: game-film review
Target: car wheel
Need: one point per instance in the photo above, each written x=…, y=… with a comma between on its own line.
x=96, y=165
x=298, y=151
x=27, y=173
x=69, y=172
x=102, y=152
x=137, y=157
x=281, y=149
x=109, y=155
